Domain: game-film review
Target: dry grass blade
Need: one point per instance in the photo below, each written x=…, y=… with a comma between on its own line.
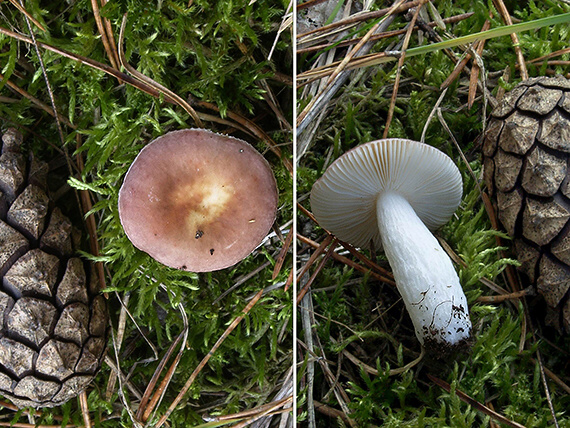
x=145, y=79
x=346, y=261
x=268, y=94
x=240, y=122
x=360, y=17
x=399, y=70
x=36, y=102
x=85, y=409
x=529, y=291
x=500, y=5
x=205, y=360
x=306, y=311
x=282, y=255
x=112, y=380
x=22, y=425
x=473, y=79
x=301, y=293
x=392, y=372
x=27, y=14
x=383, y=57
x=92, y=63
x=145, y=409
x=321, y=248
x=387, y=275
x=268, y=410
x=474, y=403
x=108, y=42
x=340, y=394
x=341, y=66
x=384, y=35
x=286, y=22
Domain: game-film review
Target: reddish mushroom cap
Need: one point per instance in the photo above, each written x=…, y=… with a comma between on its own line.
x=197, y=200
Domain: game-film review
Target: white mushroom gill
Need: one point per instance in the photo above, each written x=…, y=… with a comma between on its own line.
x=424, y=274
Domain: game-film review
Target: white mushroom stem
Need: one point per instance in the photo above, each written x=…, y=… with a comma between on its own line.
x=424, y=274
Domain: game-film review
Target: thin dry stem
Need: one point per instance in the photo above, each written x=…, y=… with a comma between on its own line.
x=102, y=27
x=145, y=79
x=205, y=360
x=36, y=102
x=473, y=79
x=120, y=335
x=346, y=260
x=85, y=409
x=529, y=291
x=360, y=17
x=500, y=5
x=383, y=35
x=399, y=70
x=393, y=372
x=474, y=403
x=301, y=293
x=27, y=14
x=341, y=66
x=282, y=255
x=148, y=403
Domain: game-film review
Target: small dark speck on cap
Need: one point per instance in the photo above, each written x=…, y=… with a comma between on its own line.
x=199, y=234
x=211, y=251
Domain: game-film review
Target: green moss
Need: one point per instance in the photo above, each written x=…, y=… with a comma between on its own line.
x=194, y=50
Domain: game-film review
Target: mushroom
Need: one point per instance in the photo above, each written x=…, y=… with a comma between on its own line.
x=197, y=200
x=389, y=193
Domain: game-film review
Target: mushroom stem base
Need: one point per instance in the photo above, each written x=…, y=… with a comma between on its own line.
x=424, y=274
